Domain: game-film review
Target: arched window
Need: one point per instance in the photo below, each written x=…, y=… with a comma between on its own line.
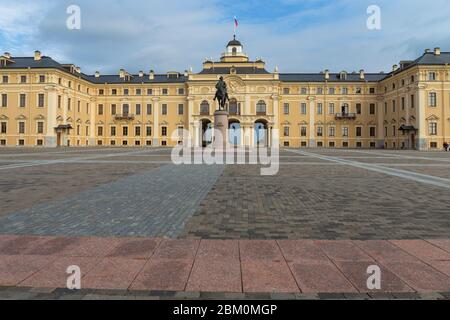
x=204, y=108
x=345, y=109
x=234, y=51
x=234, y=107
x=261, y=108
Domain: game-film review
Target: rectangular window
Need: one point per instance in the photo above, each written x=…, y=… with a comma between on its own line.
x=164, y=131
x=180, y=109
x=126, y=92
x=113, y=109
x=165, y=91
x=100, y=131
x=100, y=109
x=319, y=90
x=125, y=131
x=394, y=105
x=319, y=108
x=432, y=99
x=41, y=78
x=413, y=102
x=303, y=108
x=78, y=105
x=23, y=79
x=101, y=92
x=432, y=129
x=181, y=91
x=69, y=104
x=286, y=90
x=114, y=92
x=345, y=131
x=22, y=127
x=23, y=100
x=164, y=109
x=286, y=108
x=320, y=131
x=148, y=131
x=394, y=131
x=40, y=127
x=137, y=131
x=403, y=103
x=344, y=90
x=331, y=131
x=286, y=131
x=125, y=109
x=331, y=90
x=372, y=131
x=113, y=131
x=358, y=90
x=331, y=108
x=41, y=99
x=304, y=91
x=358, y=108
x=149, y=109
x=4, y=128
x=138, y=92
x=372, y=90
x=4, y=100
x=303, y=131
x=372, y=108
x=5, y=79
x=358, y=131
x=432, y=76
x=149, y=92
x=59, y=102
x=138, y=109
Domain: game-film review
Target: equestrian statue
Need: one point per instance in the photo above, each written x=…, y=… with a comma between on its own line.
x=222, y=94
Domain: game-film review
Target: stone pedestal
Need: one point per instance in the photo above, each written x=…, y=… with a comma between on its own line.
x=221, y=129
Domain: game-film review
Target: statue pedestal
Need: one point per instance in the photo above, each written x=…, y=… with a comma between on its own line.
x=221, y=129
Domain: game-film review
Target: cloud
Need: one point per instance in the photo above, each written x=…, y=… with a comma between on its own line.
x=298, y=36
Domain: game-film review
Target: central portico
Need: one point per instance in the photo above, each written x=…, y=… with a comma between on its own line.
x=253, y=93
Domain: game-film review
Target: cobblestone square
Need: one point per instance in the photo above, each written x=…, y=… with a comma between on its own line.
x=138, y=192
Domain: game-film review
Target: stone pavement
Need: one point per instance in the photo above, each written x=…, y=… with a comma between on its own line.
x=152, y=203
x=410, y=268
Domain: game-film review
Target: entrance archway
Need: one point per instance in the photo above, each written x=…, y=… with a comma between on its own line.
x=234, y=132
x=261, y=133
x=206, y=138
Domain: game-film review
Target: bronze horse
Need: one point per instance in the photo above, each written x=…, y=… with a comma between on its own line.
x=222, y=94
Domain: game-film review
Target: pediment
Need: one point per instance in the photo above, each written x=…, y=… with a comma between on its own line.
x=21, y=117
x=3, y=117
x=432, y=118
x=39, y=117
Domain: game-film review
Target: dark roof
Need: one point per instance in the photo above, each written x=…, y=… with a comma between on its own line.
x=115, y=79
x=427, y=59
x=334, y=77
x=47, y=62
x=234, y=42
x=239, y=70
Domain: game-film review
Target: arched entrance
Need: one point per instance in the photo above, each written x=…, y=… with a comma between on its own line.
x=261, y=133
x=234, y=132
x=206, y=133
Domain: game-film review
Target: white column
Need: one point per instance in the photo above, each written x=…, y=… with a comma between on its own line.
x=422, y=123
x=52, y=105
x=155, y=121
x=93, y=111
x=312, y=127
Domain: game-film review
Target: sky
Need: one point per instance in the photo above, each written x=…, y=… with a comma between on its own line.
x=174, y=35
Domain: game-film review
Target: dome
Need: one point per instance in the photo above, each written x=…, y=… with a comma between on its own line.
x=234, y=42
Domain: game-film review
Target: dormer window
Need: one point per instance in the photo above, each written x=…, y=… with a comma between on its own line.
x=343, y=75
x=233, y=71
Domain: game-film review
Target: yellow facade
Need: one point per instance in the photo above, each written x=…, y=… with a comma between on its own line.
x=48, y=104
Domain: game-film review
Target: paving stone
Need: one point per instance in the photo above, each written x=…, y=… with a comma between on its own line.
x=15, y=269
x=267, y=276
x=419, y=276
x=260, y=250
x=382, y=250
x=422, y=249
x=323, y=277
x=343, y=251
x=302, y=251
x=163, y=275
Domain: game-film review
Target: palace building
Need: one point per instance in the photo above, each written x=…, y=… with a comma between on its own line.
x=45, y=103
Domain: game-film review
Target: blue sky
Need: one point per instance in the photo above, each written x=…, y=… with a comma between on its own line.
x=296, y=35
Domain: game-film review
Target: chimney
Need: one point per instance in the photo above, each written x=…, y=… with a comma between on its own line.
x=437, y=51
x=97, y=74
x=37, y=55
x=362, y=76
x=122, y=73
x=327, y=74
x=152, y=75
x=427, y=50
x=7, y=55
x=141, y=74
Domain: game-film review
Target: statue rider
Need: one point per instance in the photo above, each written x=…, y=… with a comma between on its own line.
x=222, y=91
